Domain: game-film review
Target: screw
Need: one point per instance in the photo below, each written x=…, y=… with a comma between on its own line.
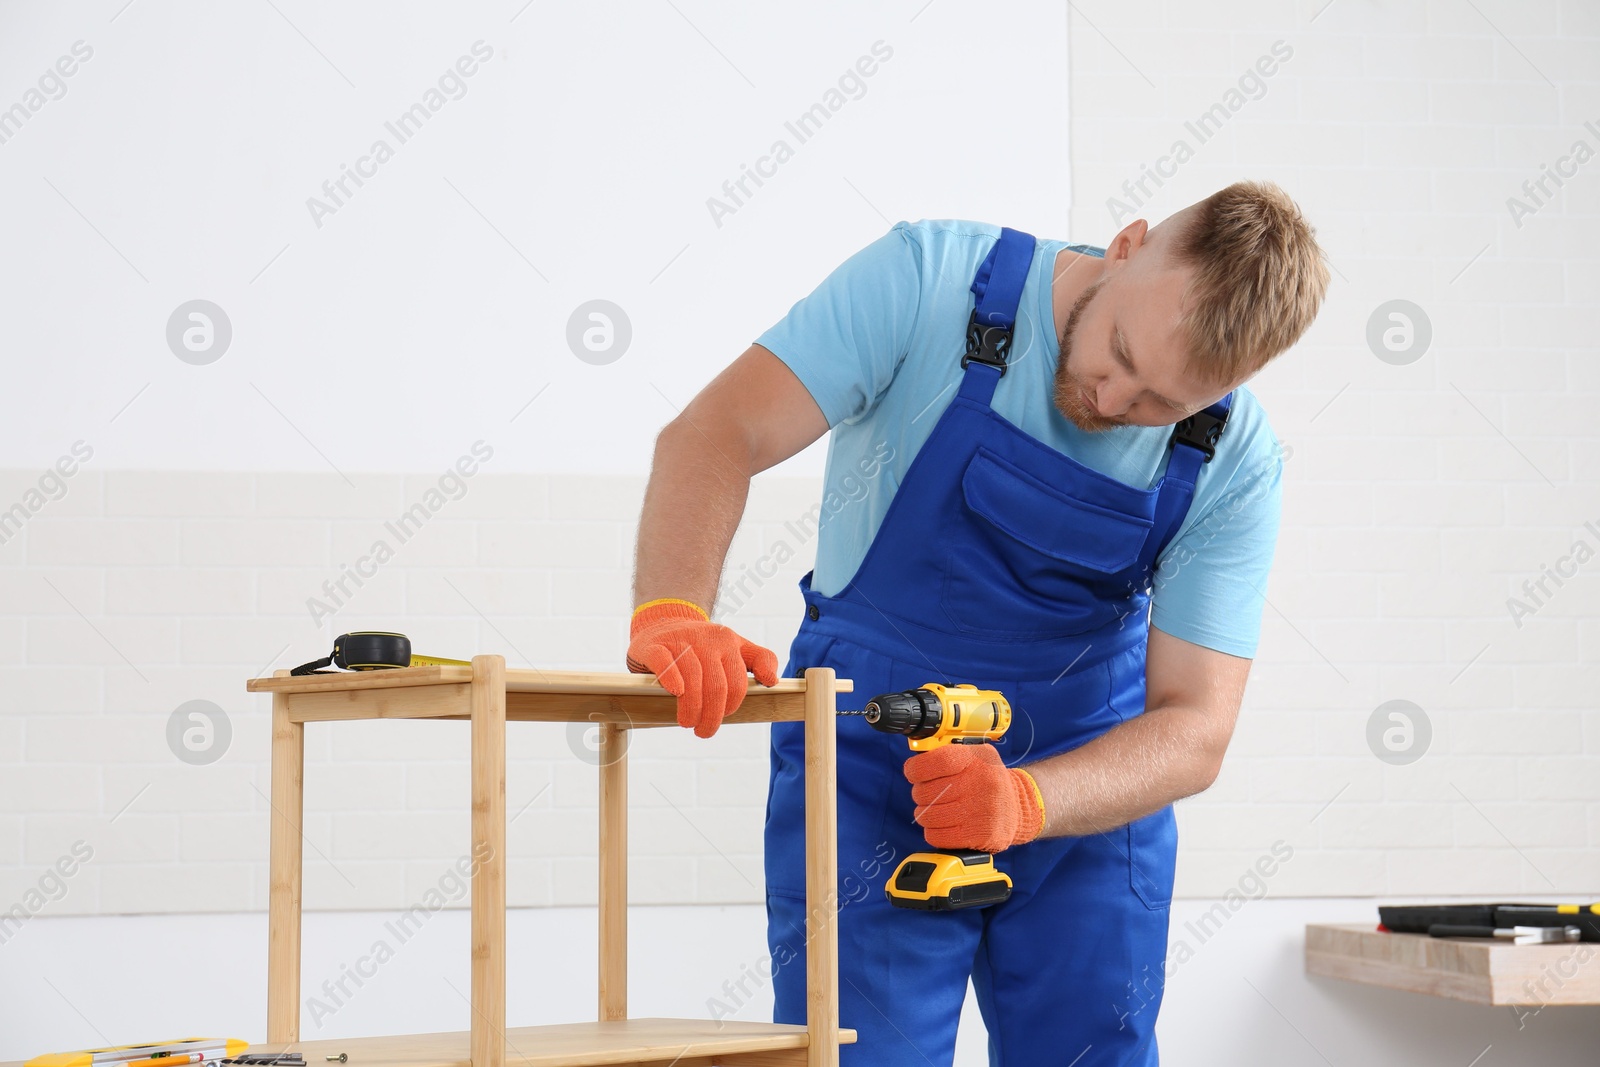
x=341, y=1057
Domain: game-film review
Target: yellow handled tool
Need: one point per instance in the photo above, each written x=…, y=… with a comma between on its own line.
x=929, y=717
x=119, y=1055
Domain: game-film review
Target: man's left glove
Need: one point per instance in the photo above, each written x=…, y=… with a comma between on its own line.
x=968, y=798
x=700, y=662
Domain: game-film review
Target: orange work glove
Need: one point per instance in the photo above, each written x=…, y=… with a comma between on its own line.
x=968, y=798
x=700, y=662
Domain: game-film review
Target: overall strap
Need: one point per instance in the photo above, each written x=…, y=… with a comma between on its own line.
x=1193, y=443
x=996, y=290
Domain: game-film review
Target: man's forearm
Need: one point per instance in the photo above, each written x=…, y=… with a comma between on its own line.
x=1131, y=770
x=692, y=506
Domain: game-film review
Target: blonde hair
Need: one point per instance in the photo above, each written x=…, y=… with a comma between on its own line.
x=1259, y=278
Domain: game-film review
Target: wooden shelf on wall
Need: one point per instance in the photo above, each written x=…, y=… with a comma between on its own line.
x=1475, y=969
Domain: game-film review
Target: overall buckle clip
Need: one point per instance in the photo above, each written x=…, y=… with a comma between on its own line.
x=1201, y=430
x=986, y=344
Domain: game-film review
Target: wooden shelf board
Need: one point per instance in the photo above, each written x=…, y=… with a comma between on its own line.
x=518, y=680
x=435, y=692
x=1472, y=969
x=627, y=1041
x=346, y=680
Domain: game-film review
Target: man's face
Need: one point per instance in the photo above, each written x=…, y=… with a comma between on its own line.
x=1123, y=361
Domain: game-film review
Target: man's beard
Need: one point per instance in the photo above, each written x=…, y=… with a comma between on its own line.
x=1070, y=390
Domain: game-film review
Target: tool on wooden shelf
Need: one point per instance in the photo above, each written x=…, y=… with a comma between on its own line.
x=373, y=650
x=1422, y=918
x=1517, y=935
x=178, y=1050
x=929, y=717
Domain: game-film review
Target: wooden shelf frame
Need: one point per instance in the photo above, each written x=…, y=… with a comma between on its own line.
x=489, y=695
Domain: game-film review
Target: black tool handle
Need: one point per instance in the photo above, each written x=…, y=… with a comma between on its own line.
x=1449, y=930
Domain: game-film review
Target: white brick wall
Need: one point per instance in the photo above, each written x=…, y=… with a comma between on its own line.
x=1418, y=499
x=139, y=591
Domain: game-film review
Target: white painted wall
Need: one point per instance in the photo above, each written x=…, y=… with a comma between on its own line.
x=432, y=305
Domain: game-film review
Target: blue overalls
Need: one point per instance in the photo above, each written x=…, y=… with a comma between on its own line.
x=1005, y=563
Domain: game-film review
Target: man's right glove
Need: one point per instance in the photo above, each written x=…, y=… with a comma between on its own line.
x=968, y=798
x=700, y=662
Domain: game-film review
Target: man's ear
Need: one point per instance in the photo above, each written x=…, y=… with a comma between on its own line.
x=1127, y=242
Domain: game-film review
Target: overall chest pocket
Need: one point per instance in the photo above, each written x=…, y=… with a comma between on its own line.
x=1036, y=561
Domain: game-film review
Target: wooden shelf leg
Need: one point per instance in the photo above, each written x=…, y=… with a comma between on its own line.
x=822, y=874
x=613, y=871
x=488, y=1042
x=284, y=871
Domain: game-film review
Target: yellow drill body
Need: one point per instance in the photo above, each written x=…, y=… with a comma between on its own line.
x=929, y=717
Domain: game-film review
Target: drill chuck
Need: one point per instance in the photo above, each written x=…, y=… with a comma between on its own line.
x=916, y=713
x=933, y=715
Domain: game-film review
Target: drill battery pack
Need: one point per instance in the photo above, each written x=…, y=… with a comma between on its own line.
x=945, y=881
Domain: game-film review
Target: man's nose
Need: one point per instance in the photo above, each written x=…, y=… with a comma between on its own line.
x=1112, y=400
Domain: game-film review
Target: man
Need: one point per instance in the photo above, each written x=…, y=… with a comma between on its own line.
x=1032, y=523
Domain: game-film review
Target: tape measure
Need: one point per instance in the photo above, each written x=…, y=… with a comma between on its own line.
x=373, y=650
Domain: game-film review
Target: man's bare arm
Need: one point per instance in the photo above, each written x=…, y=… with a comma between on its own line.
x=753, y=415
x=1173, y=750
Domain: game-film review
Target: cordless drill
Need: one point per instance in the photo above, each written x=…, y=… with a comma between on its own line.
x=931, y=716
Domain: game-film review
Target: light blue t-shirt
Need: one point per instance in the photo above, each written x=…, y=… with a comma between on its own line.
x=878, y=344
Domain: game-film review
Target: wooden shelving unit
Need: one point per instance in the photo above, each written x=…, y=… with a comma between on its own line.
x=488, y=695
